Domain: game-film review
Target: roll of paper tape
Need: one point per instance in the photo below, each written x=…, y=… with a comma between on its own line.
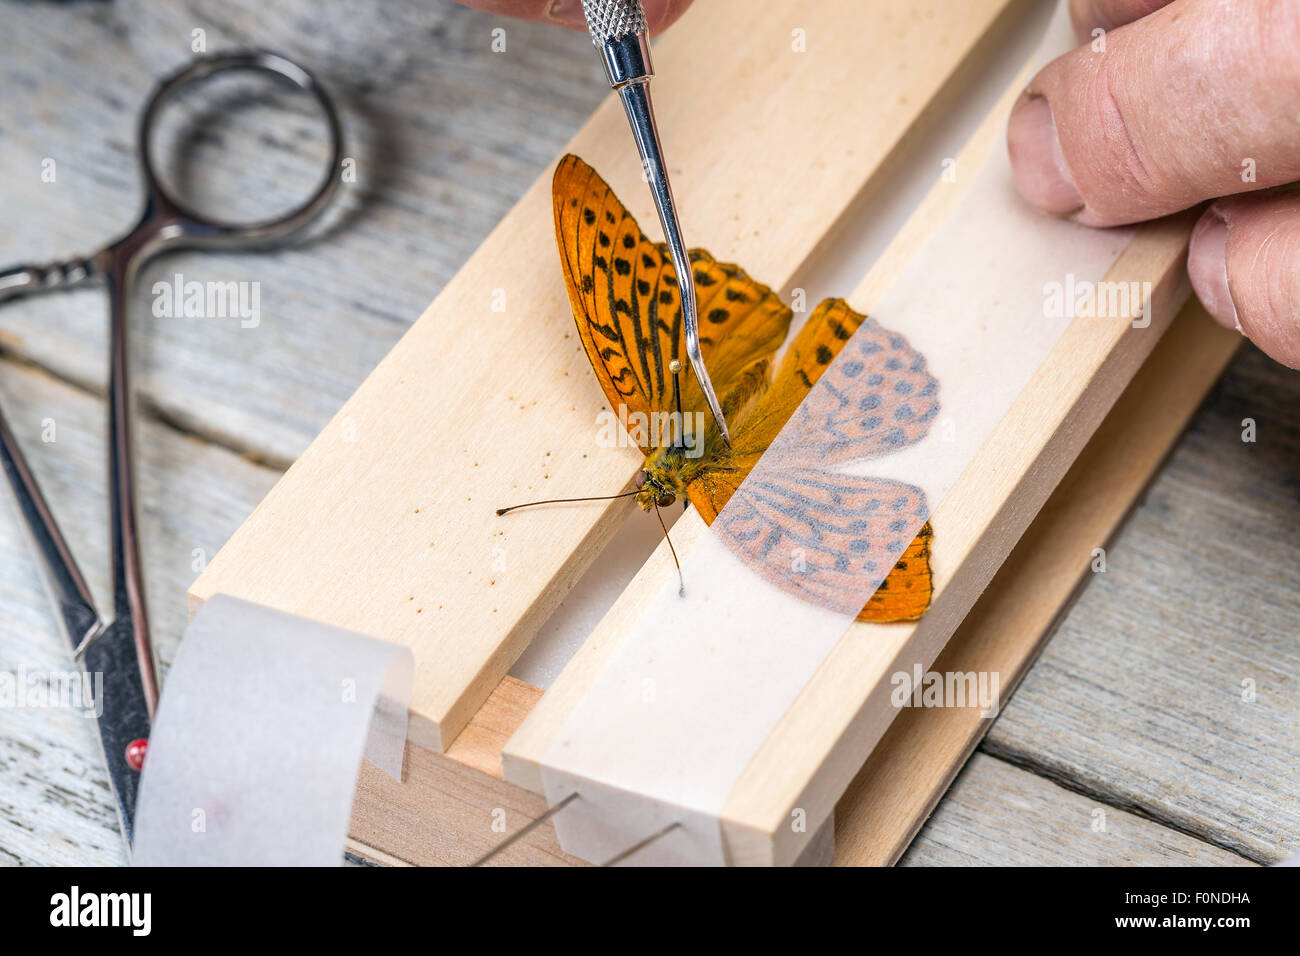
x=260, y=732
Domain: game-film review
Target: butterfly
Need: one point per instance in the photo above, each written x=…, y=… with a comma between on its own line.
x=811, y=530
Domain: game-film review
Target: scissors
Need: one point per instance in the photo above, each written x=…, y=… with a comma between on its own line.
x=618, y=29
x=120, y=649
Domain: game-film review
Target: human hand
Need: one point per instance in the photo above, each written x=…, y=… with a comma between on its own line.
x=568, y=13
x=1186, y=100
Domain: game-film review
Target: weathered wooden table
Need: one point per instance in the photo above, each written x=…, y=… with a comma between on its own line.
x=1161, y=725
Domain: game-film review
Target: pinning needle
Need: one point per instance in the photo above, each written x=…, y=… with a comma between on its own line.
x=525, y=830
x=618, y=28
x=538, y=821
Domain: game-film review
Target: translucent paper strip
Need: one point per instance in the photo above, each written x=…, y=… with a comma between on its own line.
x=669, y=726
x=259, y=735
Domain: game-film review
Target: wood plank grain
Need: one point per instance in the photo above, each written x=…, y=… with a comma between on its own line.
x=56, y=806
x=998, y=813
x=1142, y=694
x=385, y=524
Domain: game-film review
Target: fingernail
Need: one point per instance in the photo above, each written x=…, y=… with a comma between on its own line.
x=1207, y=266
x=1036, y=159
x=656, y=12
x=567, y=12
x=1087, y=17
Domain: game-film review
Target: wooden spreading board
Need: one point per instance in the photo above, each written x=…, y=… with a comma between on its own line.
x=831, y=728
x=442, y=812
x=384, y=525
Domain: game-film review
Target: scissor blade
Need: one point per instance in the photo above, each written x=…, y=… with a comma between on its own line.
x=67, y=588
x=123, y=714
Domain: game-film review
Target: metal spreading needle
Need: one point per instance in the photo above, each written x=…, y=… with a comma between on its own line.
x=542, y=818
x=618, y=28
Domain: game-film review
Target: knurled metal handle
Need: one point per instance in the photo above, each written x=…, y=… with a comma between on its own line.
x=611, y=19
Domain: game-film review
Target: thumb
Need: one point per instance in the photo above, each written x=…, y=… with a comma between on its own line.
x=659, y=14
x=1243, y=264
x=1195, y=101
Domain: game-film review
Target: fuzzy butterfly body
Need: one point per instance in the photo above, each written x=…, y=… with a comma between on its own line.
x=816, y=532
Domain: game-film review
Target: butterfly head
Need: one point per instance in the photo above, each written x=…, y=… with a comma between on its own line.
x=658, y=483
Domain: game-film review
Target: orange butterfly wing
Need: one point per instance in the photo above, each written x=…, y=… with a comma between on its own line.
x=832, y=525
x=623, y=292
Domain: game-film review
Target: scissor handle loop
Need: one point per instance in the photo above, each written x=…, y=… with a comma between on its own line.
x=173, y=219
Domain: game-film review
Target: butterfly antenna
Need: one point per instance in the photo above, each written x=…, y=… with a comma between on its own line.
x=681, y=591
x=562, y=501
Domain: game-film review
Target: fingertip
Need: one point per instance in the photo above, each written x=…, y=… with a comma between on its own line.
x=1087, y=16
x=661, y=14
x=1084, y=18
x=566, y=13
x=1041, y=174
x=1242, y=263
x=1207, y=267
